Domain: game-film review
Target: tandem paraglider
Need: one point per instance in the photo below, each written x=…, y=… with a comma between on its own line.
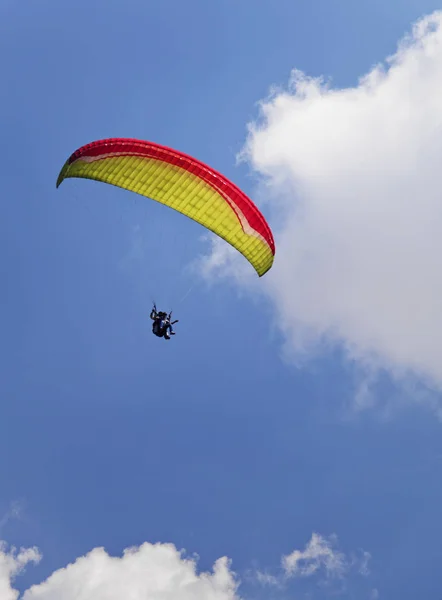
x=182, y=183
x=162, y=323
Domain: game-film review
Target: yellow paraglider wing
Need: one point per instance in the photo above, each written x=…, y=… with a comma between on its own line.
x=183, y=183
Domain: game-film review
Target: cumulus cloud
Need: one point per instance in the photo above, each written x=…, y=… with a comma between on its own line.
x=147, y=572
x=12, y=563
x=353, y=179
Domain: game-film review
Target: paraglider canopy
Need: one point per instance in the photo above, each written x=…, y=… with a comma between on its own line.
x=183, y=183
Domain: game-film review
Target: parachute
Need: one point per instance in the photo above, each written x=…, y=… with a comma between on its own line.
x=182, y=183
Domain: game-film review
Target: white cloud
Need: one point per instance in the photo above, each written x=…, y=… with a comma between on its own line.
x=147, y=572
x=320, y=557
x=12, y=564
x=363, y=564
x=144, y=573
x=267, y=579
x=319, y=552
x=354, y=179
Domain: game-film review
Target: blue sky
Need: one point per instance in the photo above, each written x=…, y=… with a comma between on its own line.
x=213, y=442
